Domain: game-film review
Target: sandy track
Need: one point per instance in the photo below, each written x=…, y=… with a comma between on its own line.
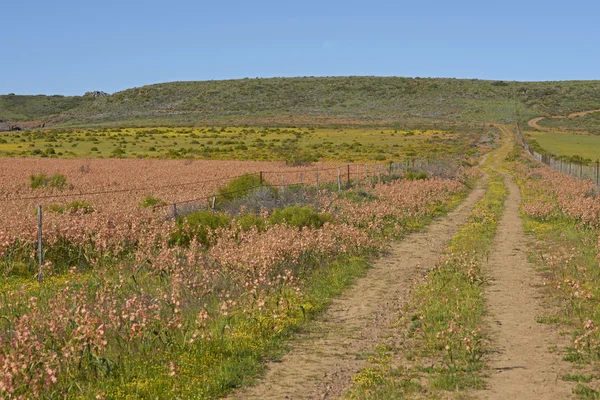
x=534, y=121
x=324, y=358
x=521, y=365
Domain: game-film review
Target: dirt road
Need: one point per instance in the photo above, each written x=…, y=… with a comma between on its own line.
x=324, y=358
x=534, y=122
x=521, y=365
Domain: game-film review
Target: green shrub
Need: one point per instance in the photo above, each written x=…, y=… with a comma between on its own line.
x=197, y=226
x=150, y=201
x=247, y=221
x=118, y=152
x=414, y=176
x=238, y=187
x=56, y=181
x=299, y=217
x=94, y=149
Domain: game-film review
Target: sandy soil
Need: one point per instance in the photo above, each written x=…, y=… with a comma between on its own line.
x=521, y=365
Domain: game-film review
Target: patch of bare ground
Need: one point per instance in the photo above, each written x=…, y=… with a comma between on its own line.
x=324, y=358
x=521, y=363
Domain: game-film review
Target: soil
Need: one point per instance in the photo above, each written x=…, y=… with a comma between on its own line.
x=521, y=365
x=326, y=356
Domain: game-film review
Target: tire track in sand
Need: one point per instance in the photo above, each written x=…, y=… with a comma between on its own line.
x=326, y=356
x=521, y=365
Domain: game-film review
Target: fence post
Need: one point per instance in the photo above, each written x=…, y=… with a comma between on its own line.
x=317, y=186
x=175, y=210
x=212, y=207
x=357, y=176
x=597, y=172
x=339, y=179
x=580, y=170
x=282, y=184
x=40, y=248
x=348, y=175
x=261, y=178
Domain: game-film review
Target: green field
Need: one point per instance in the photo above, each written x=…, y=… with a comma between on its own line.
x=564, y=144
x=295, y=145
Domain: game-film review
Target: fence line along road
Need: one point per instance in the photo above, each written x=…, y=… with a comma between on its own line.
x=589, y=171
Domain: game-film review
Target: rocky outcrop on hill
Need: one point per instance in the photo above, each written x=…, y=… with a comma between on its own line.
x=96, y=93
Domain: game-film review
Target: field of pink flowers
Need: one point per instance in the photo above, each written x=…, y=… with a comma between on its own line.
x=128, y=314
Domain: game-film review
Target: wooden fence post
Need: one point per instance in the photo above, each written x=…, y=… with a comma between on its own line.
x=339, y=179
x=40, y=248
x=261, y=178
x=348, y=175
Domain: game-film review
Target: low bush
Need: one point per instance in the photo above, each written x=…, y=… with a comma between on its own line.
x=56, y=181
x=299, y=217
x=238, y=187
x=150, y=201
x=197, y=225
x=248, y=221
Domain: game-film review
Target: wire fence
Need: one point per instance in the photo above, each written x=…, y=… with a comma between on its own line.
x=338, y=178
x=581, y=170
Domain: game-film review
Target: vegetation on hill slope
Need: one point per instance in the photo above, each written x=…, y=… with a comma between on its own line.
x=358, y=98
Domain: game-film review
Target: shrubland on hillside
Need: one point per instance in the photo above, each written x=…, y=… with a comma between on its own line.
x=347, y=100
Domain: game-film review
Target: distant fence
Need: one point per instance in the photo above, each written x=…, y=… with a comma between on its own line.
x=590, y=171
x=342, y=177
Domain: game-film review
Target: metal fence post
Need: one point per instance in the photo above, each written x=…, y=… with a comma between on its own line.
x=40, y=247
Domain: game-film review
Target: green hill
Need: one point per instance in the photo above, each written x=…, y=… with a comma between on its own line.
x=351, y=99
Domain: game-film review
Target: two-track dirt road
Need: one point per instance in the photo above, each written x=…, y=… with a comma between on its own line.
x=326, y=356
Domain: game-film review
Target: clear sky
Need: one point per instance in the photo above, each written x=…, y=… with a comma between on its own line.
x=72, y=46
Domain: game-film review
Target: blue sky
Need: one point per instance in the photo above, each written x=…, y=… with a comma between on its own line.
x=69, y=47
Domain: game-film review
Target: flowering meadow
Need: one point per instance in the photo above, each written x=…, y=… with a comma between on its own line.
x=128, y=309
x=563, y=214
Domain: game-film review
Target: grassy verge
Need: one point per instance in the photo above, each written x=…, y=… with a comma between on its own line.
x=443, y=343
